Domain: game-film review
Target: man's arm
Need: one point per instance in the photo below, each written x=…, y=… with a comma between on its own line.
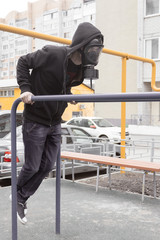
x=25, y=63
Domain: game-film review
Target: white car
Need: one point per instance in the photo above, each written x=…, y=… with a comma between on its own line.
x=97, y=127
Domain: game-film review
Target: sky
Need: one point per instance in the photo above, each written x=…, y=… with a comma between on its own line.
x=7, y=6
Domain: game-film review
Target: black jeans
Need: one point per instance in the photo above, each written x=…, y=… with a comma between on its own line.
x=42, y=145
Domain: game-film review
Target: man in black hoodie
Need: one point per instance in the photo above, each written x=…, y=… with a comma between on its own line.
x=54, y=70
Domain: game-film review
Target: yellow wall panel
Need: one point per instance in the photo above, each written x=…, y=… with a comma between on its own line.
x=85, y=109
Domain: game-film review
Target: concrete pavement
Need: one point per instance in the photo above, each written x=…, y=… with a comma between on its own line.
x=85, y=214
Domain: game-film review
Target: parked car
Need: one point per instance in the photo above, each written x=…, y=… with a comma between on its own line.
x=72, y=139
x=5, y=153
x=97, y=127
x=5, y=121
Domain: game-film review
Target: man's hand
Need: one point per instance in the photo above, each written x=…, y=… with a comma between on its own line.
x=26, y=97
x=73, y=102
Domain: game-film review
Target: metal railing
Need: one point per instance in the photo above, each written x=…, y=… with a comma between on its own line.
x=120, y=97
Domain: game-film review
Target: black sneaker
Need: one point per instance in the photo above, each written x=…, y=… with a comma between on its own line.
x=20, y=213
x=25, y=205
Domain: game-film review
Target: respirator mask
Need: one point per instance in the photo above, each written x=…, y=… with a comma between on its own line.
x=90, y=56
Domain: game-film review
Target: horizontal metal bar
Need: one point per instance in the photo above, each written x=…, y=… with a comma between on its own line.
x=112, y=97
x=31, y=33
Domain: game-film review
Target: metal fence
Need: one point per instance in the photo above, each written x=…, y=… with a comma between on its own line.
x=142, y=119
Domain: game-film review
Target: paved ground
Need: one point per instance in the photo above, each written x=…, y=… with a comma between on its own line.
x=85, y=214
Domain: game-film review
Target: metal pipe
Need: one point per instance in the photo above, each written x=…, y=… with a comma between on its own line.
x=72, y=170
x=97, y=179
x=123, y=109
x=154, y=181
x=112, y=97
x=30, y=33
x=143, y=186
x=58, y=191
x=14, y=171
x=109, y=176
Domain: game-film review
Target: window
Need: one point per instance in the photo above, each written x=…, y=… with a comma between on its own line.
x=11, y=46
x=67, y=35
x=5, y=65
x=4, y=74
x=152, y=48
x=21, y=23
x=11, y=54
x=5, y=47
x=11, y=73
x=5, y=38
x=152, y=7
x=4, y=56
x=20, y=52
x=50, y=16
x=7, y=93
x=11, y=64
x=20, y=42
x=65, y=13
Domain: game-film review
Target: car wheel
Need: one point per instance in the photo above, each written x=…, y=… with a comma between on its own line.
x=103, y=138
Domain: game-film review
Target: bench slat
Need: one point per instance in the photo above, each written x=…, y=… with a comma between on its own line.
x=141, y=165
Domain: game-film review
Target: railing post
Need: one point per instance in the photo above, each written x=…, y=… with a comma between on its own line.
x=123, y=109
x=58, y=189
x=14, y=170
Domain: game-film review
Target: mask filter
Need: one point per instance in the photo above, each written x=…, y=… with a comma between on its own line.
x=90, y=57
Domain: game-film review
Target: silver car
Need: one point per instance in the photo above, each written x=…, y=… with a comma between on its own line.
x=73, y=139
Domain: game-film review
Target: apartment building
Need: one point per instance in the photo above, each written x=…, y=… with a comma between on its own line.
x=149, y=47
x=132, y=27
x=58, y=18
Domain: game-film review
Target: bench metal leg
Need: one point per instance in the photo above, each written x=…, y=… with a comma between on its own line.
x=73, y=170
x=143, y=185
x=64, y=169
x=109, y=176
x=154, y=179
x=97, y=180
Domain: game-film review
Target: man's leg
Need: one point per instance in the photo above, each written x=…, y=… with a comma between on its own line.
x=48, y=158
x=34, y=137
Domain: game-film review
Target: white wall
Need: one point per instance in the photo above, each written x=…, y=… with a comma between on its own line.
x=118, y=22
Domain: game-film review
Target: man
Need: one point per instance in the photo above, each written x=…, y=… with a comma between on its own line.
x=54, y=70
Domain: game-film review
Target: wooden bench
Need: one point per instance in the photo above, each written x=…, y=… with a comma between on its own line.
x=114, y=161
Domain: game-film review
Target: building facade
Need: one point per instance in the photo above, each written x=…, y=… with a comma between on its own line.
x=149, y=47
x=132, y=27
x=58, y=18
x=118, y=22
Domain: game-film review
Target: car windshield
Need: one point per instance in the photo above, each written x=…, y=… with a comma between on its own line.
x=102, y=123
x=18, y=134
x=79, y=133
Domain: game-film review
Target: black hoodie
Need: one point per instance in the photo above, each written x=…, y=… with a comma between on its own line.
x=48, y=75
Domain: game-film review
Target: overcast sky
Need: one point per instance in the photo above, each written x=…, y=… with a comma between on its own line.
x=7, y=6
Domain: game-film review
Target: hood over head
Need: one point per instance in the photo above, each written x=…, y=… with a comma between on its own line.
x=84, y=34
